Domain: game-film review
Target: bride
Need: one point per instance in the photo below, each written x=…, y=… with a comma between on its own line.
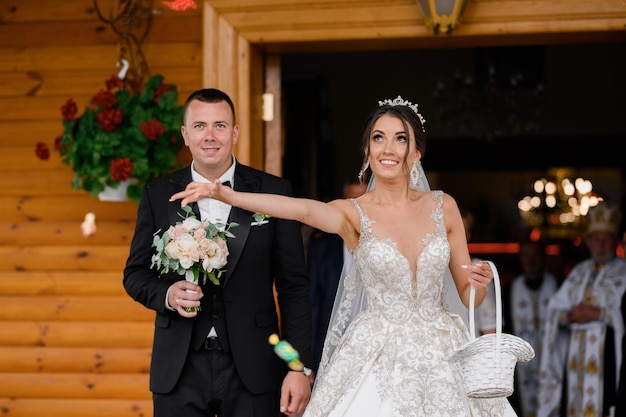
x=390, y=332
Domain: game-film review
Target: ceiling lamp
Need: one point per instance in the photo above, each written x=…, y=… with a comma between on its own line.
x=442, y=16
x=558, y=204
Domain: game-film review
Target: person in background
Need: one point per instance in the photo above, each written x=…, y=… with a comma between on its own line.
x=525, y=306
x=581, y=349
x=390, y=335
x=619, y=403
x=218, y=361
x=325, y=259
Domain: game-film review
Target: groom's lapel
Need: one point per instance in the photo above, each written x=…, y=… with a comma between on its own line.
x=178, y=182
x=243, y=218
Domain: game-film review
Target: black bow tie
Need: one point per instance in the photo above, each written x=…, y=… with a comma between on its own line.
x=226, y=184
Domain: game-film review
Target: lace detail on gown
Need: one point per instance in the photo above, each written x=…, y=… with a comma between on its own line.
x=390, y=360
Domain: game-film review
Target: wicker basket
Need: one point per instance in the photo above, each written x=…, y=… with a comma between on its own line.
x=487, y=363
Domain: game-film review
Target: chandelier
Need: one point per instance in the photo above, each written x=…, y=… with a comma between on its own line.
x=558, y=204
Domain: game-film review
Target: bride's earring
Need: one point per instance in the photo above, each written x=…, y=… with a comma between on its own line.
x=415, y=174
x=366, y=165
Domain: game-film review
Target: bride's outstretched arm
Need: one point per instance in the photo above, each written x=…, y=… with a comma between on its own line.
x=328, y=217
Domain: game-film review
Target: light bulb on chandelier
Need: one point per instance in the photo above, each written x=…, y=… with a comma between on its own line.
x=558, y=204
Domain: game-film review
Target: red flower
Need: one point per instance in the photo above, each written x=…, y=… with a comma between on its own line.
x=69, y=110
x=105, y=99
x=159, y=91
x=108, y=143
x=121, y=169
x=109, y=119
x=42, y=151
x=114, y=82
x=152, y=129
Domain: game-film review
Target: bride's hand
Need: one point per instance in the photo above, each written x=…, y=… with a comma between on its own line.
x=480, y=274
x=196, y=191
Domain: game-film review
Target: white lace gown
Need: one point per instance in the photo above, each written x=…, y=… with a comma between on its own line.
x=391, y=361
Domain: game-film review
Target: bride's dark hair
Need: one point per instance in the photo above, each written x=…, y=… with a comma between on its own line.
x=409, y=118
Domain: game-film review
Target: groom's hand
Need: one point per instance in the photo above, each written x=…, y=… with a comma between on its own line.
x=295, y=393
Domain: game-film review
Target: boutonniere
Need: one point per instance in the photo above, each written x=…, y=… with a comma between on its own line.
x=259, y=219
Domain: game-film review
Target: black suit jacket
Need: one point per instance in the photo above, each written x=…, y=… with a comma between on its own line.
x=260, y=259
x=324, y=264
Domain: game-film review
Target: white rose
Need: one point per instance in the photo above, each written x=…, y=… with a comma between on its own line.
x=191, y=223
x=185, y=249
x=214, y=255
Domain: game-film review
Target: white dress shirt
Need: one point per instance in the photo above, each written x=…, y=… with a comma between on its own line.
x=211, y=210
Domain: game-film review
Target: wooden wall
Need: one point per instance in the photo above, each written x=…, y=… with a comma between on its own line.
x=72, y=342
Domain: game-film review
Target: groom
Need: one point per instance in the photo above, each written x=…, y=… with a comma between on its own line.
x=218, y=361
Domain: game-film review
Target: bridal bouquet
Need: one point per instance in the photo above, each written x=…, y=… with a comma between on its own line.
x=193, y=248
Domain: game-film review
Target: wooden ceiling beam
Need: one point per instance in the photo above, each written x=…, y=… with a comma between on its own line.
x=280, y=24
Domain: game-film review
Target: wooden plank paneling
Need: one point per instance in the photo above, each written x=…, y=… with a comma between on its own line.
x=73, y=309
x=226, y=7
x=323, y=17
x=72, y=342
x=59, y=233
x=64, y=208
x=69, y=258
x=274, y=149
x=57, y=182
x=59, y=176
x=19, y=11
x=83, y=58
x=17, y=133
x=23, y=158
x=292, y=22
x=83, y=334
x=42, y=10
x=88, y=385
x=47, y=108
x=164, y=29
x=69, y=283
x=39, y=360
x=69, y=84
x=68, y=407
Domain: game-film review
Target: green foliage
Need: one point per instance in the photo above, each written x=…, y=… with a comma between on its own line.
x=89, y=149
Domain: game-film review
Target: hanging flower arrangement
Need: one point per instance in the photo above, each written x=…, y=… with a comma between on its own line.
x=124, y=135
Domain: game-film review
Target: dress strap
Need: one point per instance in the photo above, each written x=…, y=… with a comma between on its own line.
x=365, y=222
x=437, y=214
x=358, y=206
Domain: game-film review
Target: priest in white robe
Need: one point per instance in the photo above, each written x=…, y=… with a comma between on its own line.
x=581, y=348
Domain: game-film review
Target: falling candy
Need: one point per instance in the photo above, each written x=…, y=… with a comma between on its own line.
x=286, y=352
x=88, y=226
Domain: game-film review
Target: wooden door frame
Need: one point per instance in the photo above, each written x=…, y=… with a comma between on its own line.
x=240, y=36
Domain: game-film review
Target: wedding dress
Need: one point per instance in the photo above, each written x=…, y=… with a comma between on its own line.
x=391, y=359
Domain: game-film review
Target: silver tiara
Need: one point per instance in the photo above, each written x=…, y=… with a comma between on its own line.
x=399, y=101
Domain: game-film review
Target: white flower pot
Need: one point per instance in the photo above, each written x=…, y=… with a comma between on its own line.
x=118, y=193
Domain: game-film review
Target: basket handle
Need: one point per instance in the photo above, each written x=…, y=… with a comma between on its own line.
x=496, y=281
